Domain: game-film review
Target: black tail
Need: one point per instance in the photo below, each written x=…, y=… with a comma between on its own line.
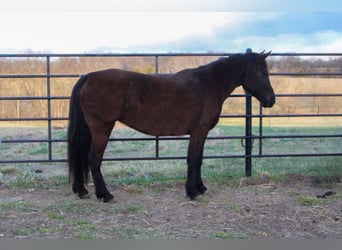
x=79, y=140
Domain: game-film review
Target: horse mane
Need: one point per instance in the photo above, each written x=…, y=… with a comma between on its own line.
x=222, y=60
x=220, y=63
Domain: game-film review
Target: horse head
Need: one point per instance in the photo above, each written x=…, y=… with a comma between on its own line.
x=256, y=79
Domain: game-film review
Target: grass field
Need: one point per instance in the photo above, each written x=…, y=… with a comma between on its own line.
x=218, y=168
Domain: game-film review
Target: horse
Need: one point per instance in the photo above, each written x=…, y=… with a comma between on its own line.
x=185, y=103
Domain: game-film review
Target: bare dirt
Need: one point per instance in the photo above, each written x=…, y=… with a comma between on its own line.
x=250, y=208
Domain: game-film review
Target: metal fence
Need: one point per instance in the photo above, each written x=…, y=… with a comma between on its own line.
x=248, y=139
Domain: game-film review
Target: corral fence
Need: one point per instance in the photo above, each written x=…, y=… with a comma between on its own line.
x=254, y=117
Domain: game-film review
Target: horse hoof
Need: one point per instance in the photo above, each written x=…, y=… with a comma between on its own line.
x=82, y=193
x=105, y=196
x=201, y=189
x=192, y=193
x=84, y=196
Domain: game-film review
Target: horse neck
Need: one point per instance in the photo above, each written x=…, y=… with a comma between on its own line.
x=226, y=75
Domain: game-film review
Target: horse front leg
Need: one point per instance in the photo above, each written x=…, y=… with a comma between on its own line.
x=194, y=184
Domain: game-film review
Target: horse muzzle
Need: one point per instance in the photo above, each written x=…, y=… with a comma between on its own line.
x=268, y=103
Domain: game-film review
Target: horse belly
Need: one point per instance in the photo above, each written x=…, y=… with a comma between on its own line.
x=159, y=120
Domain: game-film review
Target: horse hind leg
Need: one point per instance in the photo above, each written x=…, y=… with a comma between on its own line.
x=100, y=137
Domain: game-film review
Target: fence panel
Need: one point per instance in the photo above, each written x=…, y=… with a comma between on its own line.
x=45, y=81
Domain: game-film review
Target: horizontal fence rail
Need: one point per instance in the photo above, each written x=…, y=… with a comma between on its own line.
x=251, y=141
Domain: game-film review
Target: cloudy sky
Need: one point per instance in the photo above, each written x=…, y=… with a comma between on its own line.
x=66, y=26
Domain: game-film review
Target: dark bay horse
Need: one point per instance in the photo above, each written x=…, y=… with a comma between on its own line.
x=188, y=102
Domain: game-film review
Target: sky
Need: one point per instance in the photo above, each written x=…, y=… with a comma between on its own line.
x=153, y=26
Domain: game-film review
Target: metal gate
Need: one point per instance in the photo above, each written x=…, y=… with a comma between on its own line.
x=250, y=115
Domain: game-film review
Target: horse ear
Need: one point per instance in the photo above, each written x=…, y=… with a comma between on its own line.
x=263, y=55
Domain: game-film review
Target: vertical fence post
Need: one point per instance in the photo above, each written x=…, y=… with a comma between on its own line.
x=48, y=96
x=248, y=136
x=260, y=129
x=156, y=61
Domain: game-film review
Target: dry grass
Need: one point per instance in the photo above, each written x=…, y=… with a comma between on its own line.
x=253, y=210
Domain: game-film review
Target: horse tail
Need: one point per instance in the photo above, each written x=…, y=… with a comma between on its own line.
x=79, y=139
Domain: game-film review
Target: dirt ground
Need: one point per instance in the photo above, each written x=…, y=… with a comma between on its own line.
x=248, y=209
